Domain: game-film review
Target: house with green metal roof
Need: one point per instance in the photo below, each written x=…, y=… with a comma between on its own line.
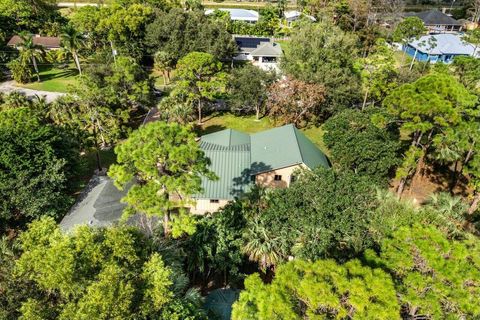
x=268, y=158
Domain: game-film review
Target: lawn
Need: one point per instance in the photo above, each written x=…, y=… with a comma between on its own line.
x=54, y=79
x=89, y=165
x=248, y=124
x=284, y=44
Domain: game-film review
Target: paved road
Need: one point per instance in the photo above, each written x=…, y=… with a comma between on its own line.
x=9, y=86
x=73, y=4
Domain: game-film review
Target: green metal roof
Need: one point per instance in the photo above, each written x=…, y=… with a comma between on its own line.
x=235, y=156
x=283, y=147
x=227, y=137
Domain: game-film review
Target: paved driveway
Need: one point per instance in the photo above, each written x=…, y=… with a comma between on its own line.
x=9, y=86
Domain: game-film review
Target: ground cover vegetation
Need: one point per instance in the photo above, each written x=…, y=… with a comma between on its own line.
x=390, y=231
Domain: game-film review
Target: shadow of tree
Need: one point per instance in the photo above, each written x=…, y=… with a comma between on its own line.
x=209, y=129
x=247, y=178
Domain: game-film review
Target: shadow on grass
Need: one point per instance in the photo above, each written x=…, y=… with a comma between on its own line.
x=209, y=129
x=62, y=74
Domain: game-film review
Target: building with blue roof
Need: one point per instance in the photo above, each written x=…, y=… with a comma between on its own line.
x=440, y=48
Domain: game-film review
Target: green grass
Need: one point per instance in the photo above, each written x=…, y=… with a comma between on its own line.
x=248, y=124
x=89, y=165
x=284, y=44
x=54, y=79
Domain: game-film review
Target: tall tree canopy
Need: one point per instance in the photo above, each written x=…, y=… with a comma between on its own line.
x=435, y=278
x=323, y=214
x=423, y=110
x=295, y=101
x=248, y=89
x=355, y=143
x=31, y=16
x=322, y=289
x=179, y=32
x=199, y=79
x=95, y=273
x=37, y=160
x=324, y=54
x=165, y=164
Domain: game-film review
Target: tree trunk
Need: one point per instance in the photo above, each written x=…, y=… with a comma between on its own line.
x=166, y=220
x=454, y=177
x=400, y=187
x=77, y=62
x=469, y=155
x=365, y=99
x=34, y=61
x=257, y=113
x=417, y=137
x=97, y=148
x=475, y=202
x=199, y=109
x=413, y=60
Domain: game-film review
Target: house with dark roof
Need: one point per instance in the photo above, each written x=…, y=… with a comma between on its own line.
x=269, y=159
x=261, y=51
x=48, y=43
x=437, y=22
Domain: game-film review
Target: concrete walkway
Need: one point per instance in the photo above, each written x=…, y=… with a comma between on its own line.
x=9, y=86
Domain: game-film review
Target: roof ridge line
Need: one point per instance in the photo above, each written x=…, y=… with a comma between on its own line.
x=298, y=143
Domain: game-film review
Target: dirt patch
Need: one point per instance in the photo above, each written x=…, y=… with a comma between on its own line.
x=433, y=180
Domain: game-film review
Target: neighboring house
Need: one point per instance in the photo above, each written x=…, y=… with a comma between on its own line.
x=437, y=22
x=440, y=48
x=292, y=16
x=49, y=43
x=244, y=15
x=267, y=159
x=261, y=51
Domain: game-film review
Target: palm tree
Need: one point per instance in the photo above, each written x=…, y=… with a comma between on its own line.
x=72, y=41
x=263, y=247
x=30, y=51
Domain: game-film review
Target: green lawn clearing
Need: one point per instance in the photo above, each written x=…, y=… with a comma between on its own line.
x=248, y=124
x=284, y=44
x=54, y=79
x=89, y=165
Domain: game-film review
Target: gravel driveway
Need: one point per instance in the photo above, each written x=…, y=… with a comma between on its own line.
x=9, y=86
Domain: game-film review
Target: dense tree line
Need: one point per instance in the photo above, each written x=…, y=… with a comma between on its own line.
x=336, y=244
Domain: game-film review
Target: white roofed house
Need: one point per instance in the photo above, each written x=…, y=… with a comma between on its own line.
x=244, y=15
x=293, y=15
x=261, y=51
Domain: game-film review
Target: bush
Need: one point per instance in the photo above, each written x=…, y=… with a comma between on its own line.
x=21, y=72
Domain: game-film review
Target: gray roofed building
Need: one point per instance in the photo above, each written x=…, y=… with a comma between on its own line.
x=262, y=51
x=437, y=21
x=99, y=205
x=268, y=49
